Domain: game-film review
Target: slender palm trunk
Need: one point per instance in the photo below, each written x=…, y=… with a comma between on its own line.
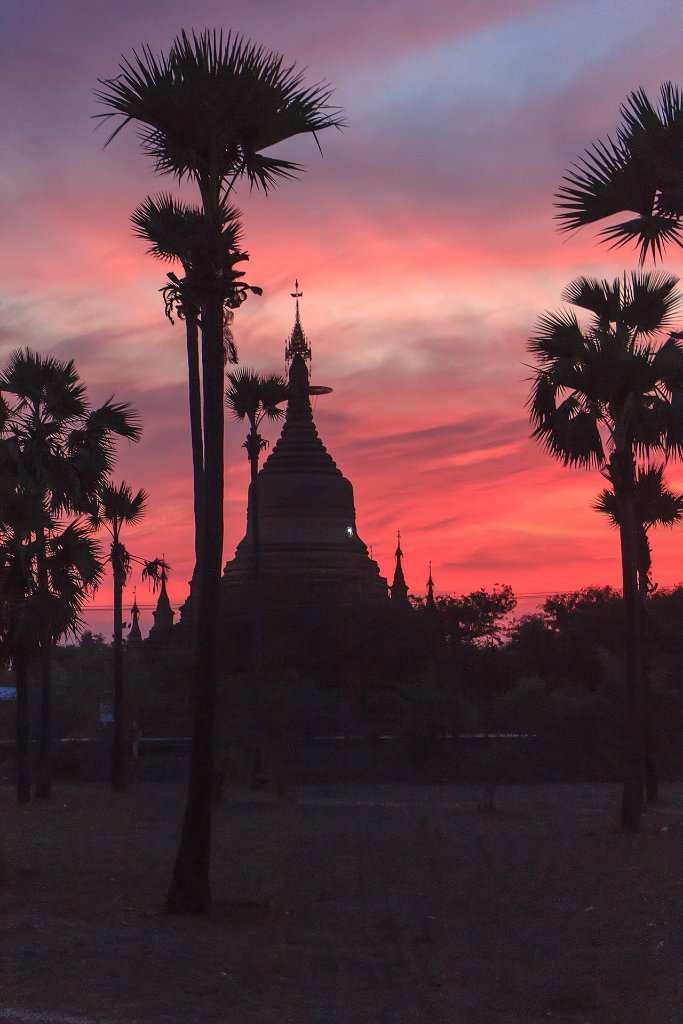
x=257, y=777
x=195, y=402
x=22, y=735
x=119, y=765
x=190, y=886
x=44, y=780
x=622, y=472
x=644, y=562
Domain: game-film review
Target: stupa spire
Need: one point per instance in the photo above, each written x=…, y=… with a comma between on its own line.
x=297, y=343
x=431, y=603
x=399, y=587
x=134, y=634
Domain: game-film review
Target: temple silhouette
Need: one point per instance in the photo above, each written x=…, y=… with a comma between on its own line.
x=319, y=584
x=310, y=550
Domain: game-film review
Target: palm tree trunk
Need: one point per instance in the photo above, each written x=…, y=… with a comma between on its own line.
x=44, y=781
x=190, y=887
x=22, y=735
x=119, y=767
x=622, y=474
x=257, y=776
x=644, y=563
x=195, y=403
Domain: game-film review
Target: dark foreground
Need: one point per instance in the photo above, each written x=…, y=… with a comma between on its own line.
x=363, y=905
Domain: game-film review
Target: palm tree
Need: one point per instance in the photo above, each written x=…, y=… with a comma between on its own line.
x=638, y=172
x=118, y=507
x=62, y=450
x=177, y=232
x=255, y=397
x=206, y=112
x=655, y=505
x=603, y=396
x=47, y=569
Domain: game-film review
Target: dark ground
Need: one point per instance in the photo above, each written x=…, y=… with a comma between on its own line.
x=356, y=905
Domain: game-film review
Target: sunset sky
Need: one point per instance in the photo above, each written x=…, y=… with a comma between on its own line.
x=423, y=240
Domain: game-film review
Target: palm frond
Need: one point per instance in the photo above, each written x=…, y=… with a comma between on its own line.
x=571, y=434
x=243, y=395
x=606, y=504
x=650, y=301
x=118, y=505
x=639, y=173
x=557, y=336
x=44, y=382
x=651, y=232
x=180, y=231
x=155, y=572
x=214, y=103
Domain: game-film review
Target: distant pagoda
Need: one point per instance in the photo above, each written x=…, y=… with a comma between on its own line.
x=163, y=615
x=310, y=551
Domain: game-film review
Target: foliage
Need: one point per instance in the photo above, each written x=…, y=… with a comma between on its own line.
x=179, y=231
x=639, y=171
x=213, y=104
x=478, y=617
x=560, y=609
x=608, y=388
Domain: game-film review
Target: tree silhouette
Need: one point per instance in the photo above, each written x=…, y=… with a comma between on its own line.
x=177, y=232
x=206, y=111
x=47, y=569
x=603, y=396
x=655, y=505
x=117, y=507
x=62, y=450
x=640, y=171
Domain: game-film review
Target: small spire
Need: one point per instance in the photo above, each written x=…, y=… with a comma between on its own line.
x=430, y=603
x=134, y=634
x=297, y=343
x=399, y=587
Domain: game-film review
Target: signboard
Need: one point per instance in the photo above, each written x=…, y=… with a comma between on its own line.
x=8, y=693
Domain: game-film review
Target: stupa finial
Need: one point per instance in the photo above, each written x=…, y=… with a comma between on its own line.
x=297, y=343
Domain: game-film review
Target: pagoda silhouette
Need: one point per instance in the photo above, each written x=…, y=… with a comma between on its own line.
x=310, y=550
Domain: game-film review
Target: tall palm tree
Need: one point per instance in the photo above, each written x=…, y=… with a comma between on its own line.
x=206, y=111
x=639, y=172
x=117, y=507
x=177, y=232
x=255, y=397
x=655, y=505
x=603, y=395
x=62, y=449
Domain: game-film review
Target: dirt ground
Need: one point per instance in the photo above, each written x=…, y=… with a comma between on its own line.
x=356, y=905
